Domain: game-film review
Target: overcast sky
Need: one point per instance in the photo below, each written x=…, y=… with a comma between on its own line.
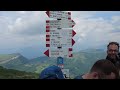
x=19, y=29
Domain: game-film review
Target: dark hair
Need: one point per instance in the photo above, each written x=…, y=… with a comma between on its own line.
x=105, y=66
x=111, y=43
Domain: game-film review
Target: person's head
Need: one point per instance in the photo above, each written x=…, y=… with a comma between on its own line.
x=104, y=69
x=112, y=50
x=51, y=72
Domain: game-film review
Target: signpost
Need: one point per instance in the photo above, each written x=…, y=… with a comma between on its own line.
x=59, y=35
x=62, y=37
x=61, y=53
x=59, y=15
x=55, y=52
x=60, y=23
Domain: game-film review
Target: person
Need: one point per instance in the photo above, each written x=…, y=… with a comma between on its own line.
x=51, y=72
x=102, y=69
x=113, y=53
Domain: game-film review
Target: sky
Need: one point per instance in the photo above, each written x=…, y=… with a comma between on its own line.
x=21, y=29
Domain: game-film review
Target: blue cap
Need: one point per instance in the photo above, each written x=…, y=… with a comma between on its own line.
x=51, y=72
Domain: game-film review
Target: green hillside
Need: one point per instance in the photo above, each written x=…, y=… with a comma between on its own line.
x=15, y=61
x=6, y=57
x=83, y=61
x=15, y=74
x=80, y=63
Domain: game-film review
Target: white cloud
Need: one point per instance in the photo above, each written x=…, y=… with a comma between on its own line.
x=82, y=14
x=21, y=12
x=95, y=31
x=29, y=25
x=115, y=19
x=25, y=28
x=22, y=30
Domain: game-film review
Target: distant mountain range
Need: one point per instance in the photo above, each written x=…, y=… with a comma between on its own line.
x=28, y=52
x=34, y=51
x=79, y=64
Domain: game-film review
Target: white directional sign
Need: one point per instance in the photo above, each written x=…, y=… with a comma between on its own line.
x=59, y=34
x=61, y=38
x=60, y=23
x=64, y=52
x=59, y=14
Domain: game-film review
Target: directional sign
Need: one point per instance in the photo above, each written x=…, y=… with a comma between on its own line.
x=73, y=42
x=47, y=53
x=55, y=52
x=60, y=37
x=59, y=15
x=73, y=33
x=59, y=34
x=60, y=23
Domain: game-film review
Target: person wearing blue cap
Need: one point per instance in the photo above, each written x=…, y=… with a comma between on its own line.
x=52, y=72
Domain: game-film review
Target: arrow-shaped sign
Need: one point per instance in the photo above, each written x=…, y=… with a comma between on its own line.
x=47, y=53
x=73, y=23
x=59, y=37
x=48, y=13
x=60, y=23
x=73, y=42
x=73, y=33
x=59, y=14
x=59, y=53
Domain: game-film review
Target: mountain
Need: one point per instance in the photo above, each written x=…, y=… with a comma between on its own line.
x=32, y=51
x=28, y=52
x=13, y=58
x=81, y=62
x=14, y=61
x=4, y=58
x=15, y=74
x=18, y=62
x=92, y=50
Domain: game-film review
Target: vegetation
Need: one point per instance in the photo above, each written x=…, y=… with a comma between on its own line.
x=79, y=64
x=15, y=74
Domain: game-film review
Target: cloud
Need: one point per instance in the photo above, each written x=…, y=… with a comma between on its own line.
x=115, y=19
x=82, y=14
x=22, y=29
x=116, y=31
x=29, y=25
x=116, y=22
x=4, y=21
x=27, y=28
x=96, y=31
x=21, y=12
